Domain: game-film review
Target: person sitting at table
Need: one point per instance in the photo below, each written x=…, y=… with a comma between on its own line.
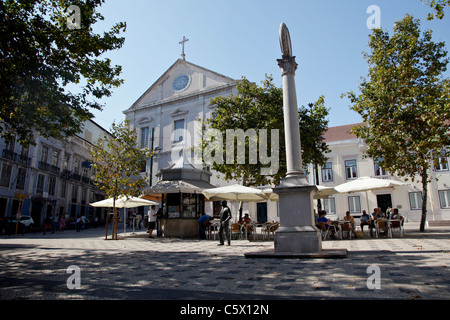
x=349, y=218
x=376, y=214
x=396, y=215
x=327, y=223
x=245, y=221
x=389, y=213
x=203, y=223
x=246, y=218
x=365, y=220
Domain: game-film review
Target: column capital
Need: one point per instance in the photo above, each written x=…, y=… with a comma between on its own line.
x=287, y=65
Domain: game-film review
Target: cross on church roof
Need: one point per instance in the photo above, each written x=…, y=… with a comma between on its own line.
x=182, y=43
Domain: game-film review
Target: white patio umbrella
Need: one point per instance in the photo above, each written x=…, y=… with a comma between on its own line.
x=124, y=202
x=364, y=184
x=322, y=192
x=236, y=193
x=367, y=183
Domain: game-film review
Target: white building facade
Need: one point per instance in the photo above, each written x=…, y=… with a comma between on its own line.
x=346, y=162
x=53, y=177
x=167, y=115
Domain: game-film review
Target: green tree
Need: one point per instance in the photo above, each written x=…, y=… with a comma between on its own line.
x=254, y=107
x=52, y=74
x=438, y=7
x=405, y=102
x=261, y=107
x=313, y=125
x=117, y=164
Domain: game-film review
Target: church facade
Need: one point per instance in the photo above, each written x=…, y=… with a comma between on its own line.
x=168, y=119
x=168, y=114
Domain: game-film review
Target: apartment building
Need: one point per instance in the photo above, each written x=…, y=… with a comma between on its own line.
x=346, y=162
x=52, y=177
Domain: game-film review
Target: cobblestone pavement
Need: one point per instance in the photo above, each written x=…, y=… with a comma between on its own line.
x=35, y=266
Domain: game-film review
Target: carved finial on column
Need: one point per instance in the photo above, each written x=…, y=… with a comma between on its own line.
x=285, y=42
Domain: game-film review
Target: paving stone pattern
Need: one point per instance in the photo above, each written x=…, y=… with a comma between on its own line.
x=34, y=266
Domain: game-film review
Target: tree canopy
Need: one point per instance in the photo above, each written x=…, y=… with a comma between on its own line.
x=405, y=101
x=261, y=107
x=438, y=7
x=52, y=74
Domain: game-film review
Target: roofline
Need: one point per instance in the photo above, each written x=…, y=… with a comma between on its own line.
x=165, y=73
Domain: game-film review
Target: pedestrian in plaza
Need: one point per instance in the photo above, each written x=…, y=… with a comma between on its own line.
x=138, y=221
x=203, y=224
x=151, y=221
x=56, y=223
x=83, y=221
x=62, y=222
x=48, y=224
x=225, y=217
x=79, y=222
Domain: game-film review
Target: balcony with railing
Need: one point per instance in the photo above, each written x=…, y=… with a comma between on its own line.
x=24, y=159
x=9, y=155
x=43, y=165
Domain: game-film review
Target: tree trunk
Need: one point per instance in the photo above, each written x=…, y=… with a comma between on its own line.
x=423, y=219
x=114, y=226
x=106, y=234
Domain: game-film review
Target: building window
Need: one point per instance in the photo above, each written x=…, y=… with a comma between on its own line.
x=327, y=172
x=51, y=185
x=55, y=158
x=350, y=169
x=40, y=183
x=144, y=137
x=44, y=154
x=441, y=163
x=11, y=145
x=178, y=130
x=66, y=162
x=76, y=165
x=354, y=204
x=415, y=200
x=329, y=205
x=21, y=176
x=74, y=193
x=378, y=170
x=63, y=188
x=6, y=175
x=83, y=195
x=23, y=156
x=444, y=199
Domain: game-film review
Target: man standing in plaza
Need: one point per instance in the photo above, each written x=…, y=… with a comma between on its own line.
x=225, y=217
x=151, y=221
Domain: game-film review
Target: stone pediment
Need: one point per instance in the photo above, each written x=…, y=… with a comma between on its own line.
x=181, y=79
x=179, y=112
x=145, y=120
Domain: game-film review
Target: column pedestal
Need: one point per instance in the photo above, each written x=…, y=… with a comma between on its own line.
x=297, y=233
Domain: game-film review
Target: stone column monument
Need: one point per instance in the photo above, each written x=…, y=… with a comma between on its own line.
x=297, y=235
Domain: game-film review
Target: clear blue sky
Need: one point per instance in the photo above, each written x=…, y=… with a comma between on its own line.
x=240, y=38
